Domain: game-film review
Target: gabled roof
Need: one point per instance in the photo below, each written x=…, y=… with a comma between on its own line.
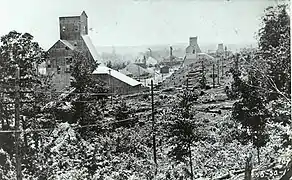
x=91, y=47
x=168, y=58
x=122, y=77
x=205, y=56
x=136, y=70
x=151, y=70
x=125, y=72
x=192, y=58
x=67, y=44
x=151, y=60
x=83, y=12
x=194, y=47
x=189, y=59
x=71, y=17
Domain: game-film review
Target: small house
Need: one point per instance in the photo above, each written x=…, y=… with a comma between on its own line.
x=164, y=69
x=117, y=82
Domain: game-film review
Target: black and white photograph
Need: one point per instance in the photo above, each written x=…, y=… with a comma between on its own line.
x=145, y=90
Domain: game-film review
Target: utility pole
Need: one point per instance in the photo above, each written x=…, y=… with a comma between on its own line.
x=213, y=75
x=218, y=72
x=110, y=85
x=17, y=119
x=153, y=126
x=222, y=68
x=139, y=72
x=236, y=62
x=1, y=108
x=191, y=163
x=203, y=75
x=187, y=84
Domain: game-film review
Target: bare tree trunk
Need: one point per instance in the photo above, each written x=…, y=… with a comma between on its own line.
x=258, y=149
x=248, y=168
x=24, y=126
x=7, y=122
x=2, y=119
x=213, y=76
x=1, y=112
x=191, y=163
x=36, y=140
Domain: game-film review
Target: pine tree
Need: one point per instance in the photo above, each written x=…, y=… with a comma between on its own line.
x=122, y=111
x=269, y=80
x=86, y=100
x=183, y=131
x=109, y=64
x=274, y=51
x=20, y=51
x=234, y=93
x=274, y=57
x=252, y=113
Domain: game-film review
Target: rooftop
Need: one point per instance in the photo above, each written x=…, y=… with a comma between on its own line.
x=105, y=70
x=91, y=47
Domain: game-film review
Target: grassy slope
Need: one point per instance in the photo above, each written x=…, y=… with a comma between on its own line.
x=222, y=155
x=126, y=152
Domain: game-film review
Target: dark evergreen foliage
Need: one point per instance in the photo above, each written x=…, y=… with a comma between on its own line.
x=20, y=51
x=184, y=131
x=268, y=79
x=274, y=50
x=251, y=112
x=87, y=94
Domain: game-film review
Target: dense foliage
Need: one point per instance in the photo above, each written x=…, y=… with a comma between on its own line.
x=198, y=135
x=19, y=51
x=264, y=89
x=88, y=94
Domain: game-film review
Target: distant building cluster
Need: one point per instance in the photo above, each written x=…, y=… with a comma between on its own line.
x=74, y=37
x=194, y=53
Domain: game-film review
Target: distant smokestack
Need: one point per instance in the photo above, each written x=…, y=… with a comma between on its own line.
x=170, y=51
x=150, y=52
x=144, y=60
x=193, y=41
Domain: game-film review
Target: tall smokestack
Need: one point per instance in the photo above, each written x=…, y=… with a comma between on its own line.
x=150, y=52
x=170, y=54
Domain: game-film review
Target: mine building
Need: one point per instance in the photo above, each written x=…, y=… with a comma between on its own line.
x=73, y=36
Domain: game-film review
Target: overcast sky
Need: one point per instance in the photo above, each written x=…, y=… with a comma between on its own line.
x=139, y=22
